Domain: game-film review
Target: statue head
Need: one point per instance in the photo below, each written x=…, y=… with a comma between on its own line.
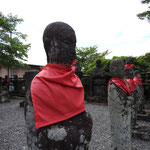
x=117, y=68
x=129, y=74
x=59, y=41
x=129, y=60
x=98, y=63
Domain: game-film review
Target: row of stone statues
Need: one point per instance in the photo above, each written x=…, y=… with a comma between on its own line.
x=125, y=99
x=55, y=113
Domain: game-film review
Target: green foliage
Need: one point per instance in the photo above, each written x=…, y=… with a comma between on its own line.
x=12, y=49
x=146, y=14
x=119, y=57
x=145, y=1
x=87, y=57
x=143, y=63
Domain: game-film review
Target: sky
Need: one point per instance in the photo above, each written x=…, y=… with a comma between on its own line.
x=109, y=24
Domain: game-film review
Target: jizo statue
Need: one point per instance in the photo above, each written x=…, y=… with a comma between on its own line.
x=140, y=89
x=55, y=111
x=119, y=103
x=129, y=75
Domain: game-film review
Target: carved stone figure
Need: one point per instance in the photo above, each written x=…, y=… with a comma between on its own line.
x=129, y=74
x=129, y=63
x=98, y=70
x=78, y=71
x=119, y=103
x=55, y=111
x=98, y=81
x=140, y=89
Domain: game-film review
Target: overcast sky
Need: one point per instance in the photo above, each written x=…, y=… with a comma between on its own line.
x=110, y=24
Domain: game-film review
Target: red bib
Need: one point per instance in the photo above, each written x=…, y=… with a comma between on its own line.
x=129, y=66
x=57, y=94
x=138, y=80
x=131, y=84
x=121, y=83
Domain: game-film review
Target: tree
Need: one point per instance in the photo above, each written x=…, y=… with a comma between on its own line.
x=143, y=63
x=87, y=57
x=12, y=49
x=146, y=14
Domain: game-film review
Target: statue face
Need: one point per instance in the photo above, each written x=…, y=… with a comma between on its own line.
x=129, y=73
x=60, y=42
x=117, y=69
x=98, y=63
x=129, y=60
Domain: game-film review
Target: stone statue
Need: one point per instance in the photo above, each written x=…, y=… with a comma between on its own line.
x=98, y=82
x=129, y=75
x=78, y=71
x=129, y=63
x=55, y=111
x=98, y=70
x=119, y=103
x=140, y=89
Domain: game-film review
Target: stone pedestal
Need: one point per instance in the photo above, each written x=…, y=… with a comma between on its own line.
x=98, y=89
x=120, y=118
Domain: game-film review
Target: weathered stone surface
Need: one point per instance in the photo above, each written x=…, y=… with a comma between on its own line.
x=71, y=134
x=140, y=92
x=98, y=70
x=59, y=42
x=120, y=110
x=98, y=82
x=129, y=75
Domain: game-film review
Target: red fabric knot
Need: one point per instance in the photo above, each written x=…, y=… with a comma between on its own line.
x=129, y=66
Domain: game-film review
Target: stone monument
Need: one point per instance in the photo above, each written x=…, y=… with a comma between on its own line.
x=129, y=75
x=98, y=82
x=119, y=103
x=55, y=111
x=129, y=63
x=78, y=71
x=140, y=89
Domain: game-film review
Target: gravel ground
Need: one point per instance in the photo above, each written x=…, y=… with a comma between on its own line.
x=12, y=128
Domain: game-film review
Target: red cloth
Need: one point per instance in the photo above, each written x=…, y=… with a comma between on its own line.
x=57, y=94
x=7, y=80
x=74, y=62
x=121, y=83
x=41, y=68
x=129, y=66
x=131, y=84
x=138, y=80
